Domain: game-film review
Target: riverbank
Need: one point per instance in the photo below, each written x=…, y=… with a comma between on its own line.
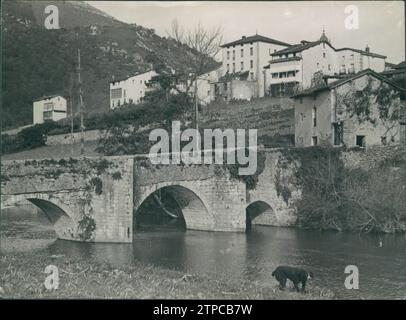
x=23, y=274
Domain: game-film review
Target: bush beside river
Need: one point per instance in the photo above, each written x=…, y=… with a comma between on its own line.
x=365, y=199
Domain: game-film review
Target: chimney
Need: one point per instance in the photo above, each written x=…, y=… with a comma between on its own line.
x=243, y=37
x=367, y=49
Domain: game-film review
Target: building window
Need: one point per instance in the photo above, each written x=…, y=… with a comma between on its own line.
x=314, y=141
x=233, y=67
x=314, y=116
x=252, y=75
x=242, y=53
x=282, y=74
x=228, y=54
x=317, y=65
x=233, y=54
x=324, y=54
x=360, y=141
x=338, y=133
x=329, y=67
x=291, y=74
x=47, y=115
x=275, y=75
x=242, y=65
x=116, y=93
x=48, y=106
x=251, y=64
x=251, y=51
x=228, y=67
x=352, y=57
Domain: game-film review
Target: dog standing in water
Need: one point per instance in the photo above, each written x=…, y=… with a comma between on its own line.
x=296, y=275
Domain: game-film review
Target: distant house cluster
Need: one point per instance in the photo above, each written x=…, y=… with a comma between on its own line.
x=315, y=74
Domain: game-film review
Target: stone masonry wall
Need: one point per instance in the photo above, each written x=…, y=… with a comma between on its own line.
x=97, y=188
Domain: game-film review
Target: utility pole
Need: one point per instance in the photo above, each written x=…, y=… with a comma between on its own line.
x=71, y=79
x=82, y=138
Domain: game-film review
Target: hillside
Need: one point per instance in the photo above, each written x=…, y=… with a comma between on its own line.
x=38, y=62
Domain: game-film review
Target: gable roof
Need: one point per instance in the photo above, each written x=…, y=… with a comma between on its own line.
x=340, y=82
x=123, y=78
x=304, y=45
x=48, y=97
x=255, y=38
x=299, y=47
x=365, y=53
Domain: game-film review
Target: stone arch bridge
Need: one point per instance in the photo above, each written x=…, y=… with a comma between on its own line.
x=96, y=199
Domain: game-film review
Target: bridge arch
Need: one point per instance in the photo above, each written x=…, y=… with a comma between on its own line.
x=260, y=213
x=54, y=210
x=193, y=206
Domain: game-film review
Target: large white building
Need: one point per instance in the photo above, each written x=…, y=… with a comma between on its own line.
x=294, y=67
x=250, y=54
x=49, y=108
x=130, y=90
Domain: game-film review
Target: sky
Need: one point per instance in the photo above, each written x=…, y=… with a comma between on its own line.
x=381, y=23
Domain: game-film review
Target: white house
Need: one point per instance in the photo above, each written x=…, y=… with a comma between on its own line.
x=49, y=108
x=205, y=86
x=294, y=67
x=250, y=54
x=327, y=114
x=130, y=90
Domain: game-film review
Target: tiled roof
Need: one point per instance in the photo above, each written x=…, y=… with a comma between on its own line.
x=297, y=48
x=308, y=44
x=122, y=78
x=255, y=39
x=401, y=65
x=375, y=55
x=339, y=82
x=48, y=97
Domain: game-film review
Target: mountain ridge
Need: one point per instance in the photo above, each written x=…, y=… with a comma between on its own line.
x=38, y=62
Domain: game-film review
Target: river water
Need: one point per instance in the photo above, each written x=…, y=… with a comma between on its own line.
x=253, y=256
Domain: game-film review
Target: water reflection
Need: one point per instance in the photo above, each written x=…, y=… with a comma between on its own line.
x=251, y=256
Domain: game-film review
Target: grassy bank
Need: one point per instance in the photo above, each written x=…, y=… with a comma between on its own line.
x=22, y=276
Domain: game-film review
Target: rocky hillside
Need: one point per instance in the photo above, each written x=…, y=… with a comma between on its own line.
x=38, y=62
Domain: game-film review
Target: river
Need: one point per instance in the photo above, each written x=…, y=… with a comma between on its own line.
x=253, y=256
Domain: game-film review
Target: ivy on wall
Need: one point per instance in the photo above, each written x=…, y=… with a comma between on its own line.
x=359, y=103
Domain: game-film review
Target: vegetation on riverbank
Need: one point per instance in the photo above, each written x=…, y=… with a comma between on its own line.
x=80, y=278
x=362, y=200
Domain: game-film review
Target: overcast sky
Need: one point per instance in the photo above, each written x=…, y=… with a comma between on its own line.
x=381, y=23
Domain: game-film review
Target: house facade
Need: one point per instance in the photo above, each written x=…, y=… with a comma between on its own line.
x=293, y=68
x=205, y=86
x=358, y=110
x=130, y=90
x=250, y=54
x=49, y=108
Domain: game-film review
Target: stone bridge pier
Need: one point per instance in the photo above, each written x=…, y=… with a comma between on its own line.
x=88, y=199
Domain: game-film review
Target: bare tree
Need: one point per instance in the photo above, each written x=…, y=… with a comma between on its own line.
x=205, y=43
